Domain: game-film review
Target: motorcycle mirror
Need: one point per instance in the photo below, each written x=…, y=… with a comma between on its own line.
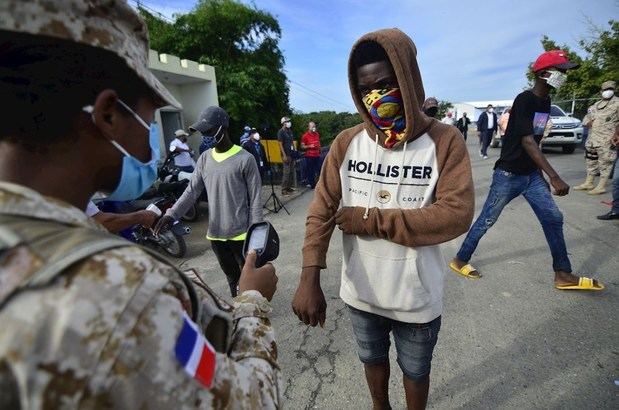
x=262, y=238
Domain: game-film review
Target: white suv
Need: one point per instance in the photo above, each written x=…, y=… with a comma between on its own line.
x=566, y=131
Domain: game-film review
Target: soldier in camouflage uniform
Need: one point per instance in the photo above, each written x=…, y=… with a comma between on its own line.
x=602, y=121
x=88, y=320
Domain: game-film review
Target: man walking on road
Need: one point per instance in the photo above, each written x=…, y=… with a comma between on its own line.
x=519, y=172
x=288, y=153
x=463, y=125
x=486, y=125
x=397, y=186
x=602, y=121
x=230, y=176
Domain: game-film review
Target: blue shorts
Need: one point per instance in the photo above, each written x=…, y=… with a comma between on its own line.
x=414, y=342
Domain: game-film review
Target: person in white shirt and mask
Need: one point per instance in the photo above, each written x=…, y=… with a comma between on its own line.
x=486, y=125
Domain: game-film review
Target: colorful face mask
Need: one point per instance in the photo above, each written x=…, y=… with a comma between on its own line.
x=386, y=108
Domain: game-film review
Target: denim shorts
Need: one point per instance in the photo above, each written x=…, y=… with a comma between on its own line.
x=414, y=342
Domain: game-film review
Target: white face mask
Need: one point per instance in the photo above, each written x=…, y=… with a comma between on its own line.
x=313, y=129
x=608, y=94
x=288, y=124
x=490, y=110
x=257, y=137
x=556, y=78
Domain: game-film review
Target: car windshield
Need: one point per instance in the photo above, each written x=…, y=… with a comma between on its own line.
x=556, y=111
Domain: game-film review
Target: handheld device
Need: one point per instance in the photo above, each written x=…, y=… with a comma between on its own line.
x=262, y=238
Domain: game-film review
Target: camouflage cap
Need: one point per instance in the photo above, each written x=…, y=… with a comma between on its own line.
x=109, y=24
x=609, y=84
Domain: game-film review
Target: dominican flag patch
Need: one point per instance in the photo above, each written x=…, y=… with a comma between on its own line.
x=195, y=353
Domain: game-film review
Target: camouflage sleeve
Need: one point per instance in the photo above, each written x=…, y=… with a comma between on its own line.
x=147, y=375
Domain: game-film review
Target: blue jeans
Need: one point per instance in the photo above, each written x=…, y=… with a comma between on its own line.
x=615, y=209
x=507, y=186
x=414, y=342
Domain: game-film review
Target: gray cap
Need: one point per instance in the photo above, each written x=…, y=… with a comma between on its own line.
x=108, y=24
x=212, y=117
x=609, y=84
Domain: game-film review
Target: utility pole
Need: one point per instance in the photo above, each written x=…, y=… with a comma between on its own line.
x=573, y=101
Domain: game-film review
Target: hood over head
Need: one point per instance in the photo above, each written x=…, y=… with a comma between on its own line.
x=402, y=55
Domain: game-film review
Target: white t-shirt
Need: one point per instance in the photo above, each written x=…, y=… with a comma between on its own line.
x=490, y=119
x=184, y=158
x=91, y=209
x=447, y=120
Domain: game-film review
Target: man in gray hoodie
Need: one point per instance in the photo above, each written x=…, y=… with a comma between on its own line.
x=232, y=182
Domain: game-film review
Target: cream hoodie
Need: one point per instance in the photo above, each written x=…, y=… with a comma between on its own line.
x=407, y=200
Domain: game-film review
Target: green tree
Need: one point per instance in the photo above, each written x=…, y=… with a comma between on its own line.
x=443, y=107
x=600, y=63
x=242, y=43
x=329, y=123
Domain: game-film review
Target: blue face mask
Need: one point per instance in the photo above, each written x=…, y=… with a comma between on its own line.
x=136, y=176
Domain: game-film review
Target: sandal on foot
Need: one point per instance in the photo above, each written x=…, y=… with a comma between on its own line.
x=466, y=270
x=583, y=284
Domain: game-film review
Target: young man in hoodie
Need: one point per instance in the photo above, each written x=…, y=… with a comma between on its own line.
x=397, y=186
x=519, y=172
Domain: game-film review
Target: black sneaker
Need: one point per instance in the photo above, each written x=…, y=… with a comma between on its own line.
x=609, y=216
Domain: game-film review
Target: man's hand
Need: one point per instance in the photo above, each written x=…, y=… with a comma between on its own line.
x=262, y=279
x=349, y=219
x=147, y=218
x=164, y=223
x=309, y=301
x=284, y=158
x=559, y=187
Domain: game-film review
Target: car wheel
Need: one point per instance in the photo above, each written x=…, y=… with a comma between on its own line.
x=568, y=149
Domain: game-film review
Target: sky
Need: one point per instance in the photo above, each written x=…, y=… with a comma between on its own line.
x=468, y=50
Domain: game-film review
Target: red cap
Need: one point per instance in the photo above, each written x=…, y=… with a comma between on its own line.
x=553, y=58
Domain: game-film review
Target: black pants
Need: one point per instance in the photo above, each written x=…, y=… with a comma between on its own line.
x=312, y=169
x=230, y=257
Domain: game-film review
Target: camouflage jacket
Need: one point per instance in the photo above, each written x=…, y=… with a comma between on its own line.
x=604, y=118
x=103, y=333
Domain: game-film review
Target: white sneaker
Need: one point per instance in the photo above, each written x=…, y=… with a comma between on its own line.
x=480, y=154
x=485, y=157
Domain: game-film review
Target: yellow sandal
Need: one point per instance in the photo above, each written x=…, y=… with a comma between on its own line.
x=583, y=284
x=465, y=270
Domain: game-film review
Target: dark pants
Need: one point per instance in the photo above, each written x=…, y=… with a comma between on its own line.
x=464, y=132
x=288, y=175
x=230, y=257
x=186, y=168
x=312, y=170
x=486, y=138
x=507, y=186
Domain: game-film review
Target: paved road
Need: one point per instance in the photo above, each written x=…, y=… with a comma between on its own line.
x=508, y=340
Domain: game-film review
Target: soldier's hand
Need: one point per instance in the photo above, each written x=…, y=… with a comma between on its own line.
x=147, y=218
x=262, y=279
x=164, y=223
x=309, y=301
x=559, y=187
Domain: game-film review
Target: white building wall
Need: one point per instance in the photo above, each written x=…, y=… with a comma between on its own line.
x=193, y=85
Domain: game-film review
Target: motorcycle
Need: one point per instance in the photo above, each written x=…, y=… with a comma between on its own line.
x=171, y=242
